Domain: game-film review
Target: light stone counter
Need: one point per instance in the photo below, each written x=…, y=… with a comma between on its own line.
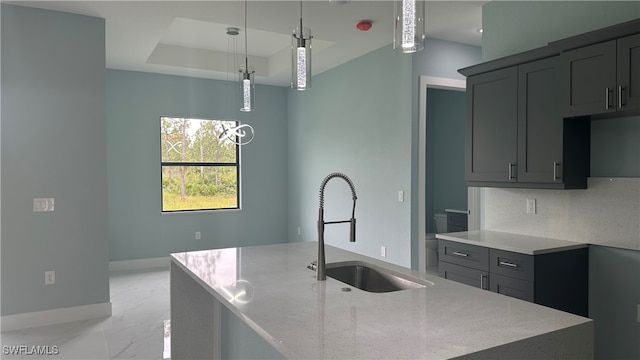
x=529, y=245
x=270, y=290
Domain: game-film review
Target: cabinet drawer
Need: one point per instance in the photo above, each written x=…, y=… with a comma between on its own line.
x=463, y=274
x=475, y=257
x=516, y=288
x=515, y=265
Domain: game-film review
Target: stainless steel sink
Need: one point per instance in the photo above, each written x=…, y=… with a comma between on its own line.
x=370, y=278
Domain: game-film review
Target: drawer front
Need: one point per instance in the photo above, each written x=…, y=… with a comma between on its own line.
x=475, y=257
x=464, y=275
x=515, y=265
x=516, y=288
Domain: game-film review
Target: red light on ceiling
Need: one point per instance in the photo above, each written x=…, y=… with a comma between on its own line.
x=364, y=25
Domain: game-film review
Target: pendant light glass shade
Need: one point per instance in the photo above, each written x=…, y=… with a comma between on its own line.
x=301, y=59
x=408, y=32
x=248, y=88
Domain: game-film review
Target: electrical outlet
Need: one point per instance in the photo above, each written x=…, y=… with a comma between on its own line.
x=531, y=206
x=198, y=235
x=43, y=204
x=383, y=251
x=400, y=196
x=49, y=277
x=299, y=231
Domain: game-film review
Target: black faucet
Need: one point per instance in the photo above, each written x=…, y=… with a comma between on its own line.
x=321, y=265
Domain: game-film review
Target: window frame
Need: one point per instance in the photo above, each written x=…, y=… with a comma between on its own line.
x=200, y=164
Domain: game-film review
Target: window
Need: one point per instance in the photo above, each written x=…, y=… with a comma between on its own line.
x=200, y=168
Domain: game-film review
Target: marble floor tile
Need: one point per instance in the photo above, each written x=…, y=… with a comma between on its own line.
x=140, y=307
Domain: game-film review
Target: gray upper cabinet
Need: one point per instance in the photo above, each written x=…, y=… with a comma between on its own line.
x=528, y=114
x=551, y=150
x=602, y=78
x=629, y=73
x=516, y=136
x=491, y=129
x=539, y=123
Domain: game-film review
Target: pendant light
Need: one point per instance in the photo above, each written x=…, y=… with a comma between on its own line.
x=408, y=32
x=247, y=78
x=301, y=57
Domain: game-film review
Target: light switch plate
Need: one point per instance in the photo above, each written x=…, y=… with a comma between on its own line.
x=49, y=277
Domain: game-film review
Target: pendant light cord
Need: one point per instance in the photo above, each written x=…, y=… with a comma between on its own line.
x=246, y=46
x=301, y=33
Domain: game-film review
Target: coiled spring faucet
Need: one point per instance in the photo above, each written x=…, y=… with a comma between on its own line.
x=321, y=266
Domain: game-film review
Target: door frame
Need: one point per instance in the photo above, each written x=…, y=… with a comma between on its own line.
x=473, y=194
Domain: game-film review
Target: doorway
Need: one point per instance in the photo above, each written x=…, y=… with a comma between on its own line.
x=426, y=180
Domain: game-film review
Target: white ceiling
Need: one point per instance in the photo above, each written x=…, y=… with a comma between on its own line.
x=189, y=37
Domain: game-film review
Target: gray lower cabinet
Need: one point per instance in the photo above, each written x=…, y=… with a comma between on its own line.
x=557, y=279
x=464, y=275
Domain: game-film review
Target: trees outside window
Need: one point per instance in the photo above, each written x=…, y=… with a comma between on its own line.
x=200, y=168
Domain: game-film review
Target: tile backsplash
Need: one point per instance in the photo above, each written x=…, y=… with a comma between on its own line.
x=606, y=213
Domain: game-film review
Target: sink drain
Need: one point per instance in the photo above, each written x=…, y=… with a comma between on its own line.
x=346, y=289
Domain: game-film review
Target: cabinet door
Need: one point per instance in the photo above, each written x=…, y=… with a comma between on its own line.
x=540, y=123
x=516, y=288
x=465, y=275
x=590, y=79
x=491, y=130
x=629, y=73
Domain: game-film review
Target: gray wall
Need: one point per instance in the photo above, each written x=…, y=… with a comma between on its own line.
x=357, y=120
x=137, y=228
x=446, y=119
x=53, y=145
x=361, y=118
x=614, y=288
x=514, y=26
x=439, y=59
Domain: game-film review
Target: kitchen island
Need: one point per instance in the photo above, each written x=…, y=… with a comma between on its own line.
x=270, y=291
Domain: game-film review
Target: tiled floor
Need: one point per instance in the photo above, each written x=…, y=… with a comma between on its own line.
x=140, y=306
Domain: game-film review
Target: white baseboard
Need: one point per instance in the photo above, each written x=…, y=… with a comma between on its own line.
x=140, y=264
x=55, y=316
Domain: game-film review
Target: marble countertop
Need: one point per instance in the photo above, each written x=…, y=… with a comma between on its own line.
x=271, y=290
x=529, y=245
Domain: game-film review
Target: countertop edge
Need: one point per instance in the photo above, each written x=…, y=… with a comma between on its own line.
x=463, y=237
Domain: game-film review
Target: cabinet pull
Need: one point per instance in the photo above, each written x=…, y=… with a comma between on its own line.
x=620, y=92
x=555, y=171
x=456, y=253
x=504, y=263
x=511, y=171
x=482, y=281
x=607, y=105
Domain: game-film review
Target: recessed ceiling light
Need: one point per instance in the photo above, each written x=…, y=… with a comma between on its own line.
x=480, y=30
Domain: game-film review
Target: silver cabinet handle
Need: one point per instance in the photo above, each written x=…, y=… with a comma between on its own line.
x=607, y=91
x=511, y=171
x=504, y=263
x=456, y=253
x=555, y=171
x=620, y=92
x=482, y=281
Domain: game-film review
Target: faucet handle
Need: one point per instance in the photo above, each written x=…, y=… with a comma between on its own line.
x=313, y=266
